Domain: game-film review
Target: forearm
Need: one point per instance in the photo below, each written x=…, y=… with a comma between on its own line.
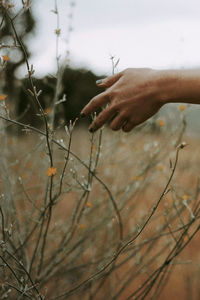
x=181, y=86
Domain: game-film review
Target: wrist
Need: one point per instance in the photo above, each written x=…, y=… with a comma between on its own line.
x=169, y=86
x=179, y=86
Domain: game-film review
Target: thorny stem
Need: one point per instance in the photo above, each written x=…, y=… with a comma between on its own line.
x=27, y=273
x=80, y=206
x=149, y=262
x=57, y=34
x=116, y=255
x=57, y=91
x=2, y=224
x=35, y=94
x=11, y=269
x=82, y=162
x=18, y=290
x=64, y=168
x=3, y=18
x=42, y=216
x=32, y=84
x=177, y=249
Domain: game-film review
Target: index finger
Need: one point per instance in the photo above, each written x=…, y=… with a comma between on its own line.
x=95, y=103
x=102, y=118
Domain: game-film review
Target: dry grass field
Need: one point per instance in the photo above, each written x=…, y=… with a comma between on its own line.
x=98, y=236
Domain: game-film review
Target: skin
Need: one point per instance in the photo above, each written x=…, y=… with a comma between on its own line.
x=134, y=95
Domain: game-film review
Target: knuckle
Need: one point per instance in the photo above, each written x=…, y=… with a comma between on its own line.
x=94, y=100
x=124, y=115
x=107, y=80
x=100, y=118
x=113, y=109
x=90, y=106
x=112, y=94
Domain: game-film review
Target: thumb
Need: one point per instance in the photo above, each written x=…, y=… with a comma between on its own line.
x=108, y=81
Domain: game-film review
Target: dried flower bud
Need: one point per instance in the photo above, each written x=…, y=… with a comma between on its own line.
x=182, y=145
x=58, y=31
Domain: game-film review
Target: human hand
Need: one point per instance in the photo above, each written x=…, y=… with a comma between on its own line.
x=132, y=97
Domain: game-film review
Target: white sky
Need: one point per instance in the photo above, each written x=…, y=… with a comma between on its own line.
x=142, y=33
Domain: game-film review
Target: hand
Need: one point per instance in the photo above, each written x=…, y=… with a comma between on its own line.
x=132, y=97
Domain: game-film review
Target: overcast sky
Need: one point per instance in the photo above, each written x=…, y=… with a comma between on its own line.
x=142, y=33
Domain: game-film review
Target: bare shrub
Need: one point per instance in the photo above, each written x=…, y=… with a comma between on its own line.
x=92, y=216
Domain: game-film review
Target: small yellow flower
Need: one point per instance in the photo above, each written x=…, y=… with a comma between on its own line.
x=185, y=197
x=138, y=178
x=6, y=57
x=160, y=167
x=122, y=144
x=182, y=107
x=51, y=171
x=82, y=226
x=10, y=142
x=42, y=154
x=3, y=97
x=161, y=123
x=47, y=110
x=58, y=31
x=29, y=165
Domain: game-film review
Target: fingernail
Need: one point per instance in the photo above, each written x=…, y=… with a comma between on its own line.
x=91, y=129
x=82, y=115
x=99, y=81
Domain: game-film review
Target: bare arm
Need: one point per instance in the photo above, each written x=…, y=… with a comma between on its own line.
x=135, y=95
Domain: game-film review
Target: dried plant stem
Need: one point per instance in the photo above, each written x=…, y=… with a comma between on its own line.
x=81, y=161
x=122, y=248
x=2, y=224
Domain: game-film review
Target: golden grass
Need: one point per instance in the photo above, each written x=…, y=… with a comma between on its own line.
x=136, y=168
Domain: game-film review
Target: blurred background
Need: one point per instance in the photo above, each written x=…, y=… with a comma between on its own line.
x=155, y=34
